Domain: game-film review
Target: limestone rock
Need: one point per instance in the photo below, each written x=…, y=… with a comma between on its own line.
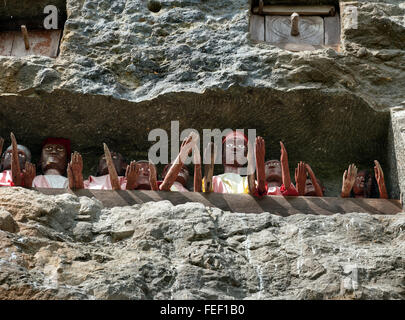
x=83, y=231
x=7, y=222
x=160, y=251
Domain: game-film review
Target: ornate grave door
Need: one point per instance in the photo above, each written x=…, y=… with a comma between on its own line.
x=296, y=28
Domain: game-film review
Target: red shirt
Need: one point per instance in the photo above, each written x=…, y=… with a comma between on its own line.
x=282, y=191
x=6, y=180
x=278, y=191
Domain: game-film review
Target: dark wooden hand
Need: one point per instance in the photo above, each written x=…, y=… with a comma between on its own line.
x=349, y=178
x=260, y=172
x=15, y=163
x=131, y=174
x=284, y=167
x=379, y=176
x=29, y=174
x=197, y=170
x=300, y=178
x=115, y=184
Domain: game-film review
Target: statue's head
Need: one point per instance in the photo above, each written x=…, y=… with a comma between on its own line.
x=119, y=164
x=234, y=148
x=310, y=189
x=142, y=180
x=363, y=183
x=55, y=155
x=183, y=176
x=273, y=171
x=24, y=155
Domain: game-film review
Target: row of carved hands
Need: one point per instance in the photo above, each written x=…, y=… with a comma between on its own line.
x=75, y=169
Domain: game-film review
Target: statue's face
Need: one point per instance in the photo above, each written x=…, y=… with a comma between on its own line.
x=182, y=177
x=361, y=183
x=7, y=157
x=54, y=156
x=143, y=177
x=272, y=170
x=235, y=149
x=118, y=161
x=358, y=187
x=309, y=188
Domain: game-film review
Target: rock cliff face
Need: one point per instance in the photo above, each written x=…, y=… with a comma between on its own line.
x=64, y=247
x=129, y=66
x=126, y=67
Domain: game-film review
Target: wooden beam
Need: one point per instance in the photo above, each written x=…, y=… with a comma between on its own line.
x=256, y=27
x=279, y=10
x=244, y=203
x=332, y=30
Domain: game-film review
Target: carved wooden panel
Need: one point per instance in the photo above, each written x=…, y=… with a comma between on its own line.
x=296, y=27
x=278, y=30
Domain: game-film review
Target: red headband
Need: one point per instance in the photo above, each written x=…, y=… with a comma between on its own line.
x=236, y=134
x=61, y=141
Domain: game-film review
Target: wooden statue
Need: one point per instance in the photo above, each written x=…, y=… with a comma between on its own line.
x=54, y=160
x=14, y=158
x=362, y=184
x=110, y=170
x=234, y=152
x=307, y=186
x=274, y=175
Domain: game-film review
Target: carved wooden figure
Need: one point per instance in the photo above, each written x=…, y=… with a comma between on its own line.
x=234, y=153
x=274, y=179
x=14, y=158
x=307, y=186
x=361, y=184
x=54, y=160
x=177, y=165
x=102, y=179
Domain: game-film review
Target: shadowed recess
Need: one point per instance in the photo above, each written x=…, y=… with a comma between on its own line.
x=329, y=130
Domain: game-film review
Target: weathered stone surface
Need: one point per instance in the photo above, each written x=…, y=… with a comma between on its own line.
x=396, y=151
x=124, y=70
x=7, y=222
x=193, y=252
